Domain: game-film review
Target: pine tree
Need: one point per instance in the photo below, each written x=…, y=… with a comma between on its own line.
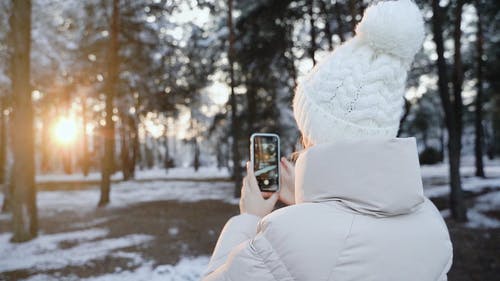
x=478, y=122
x=235, y=126
x=452, y=112
x=111, y=88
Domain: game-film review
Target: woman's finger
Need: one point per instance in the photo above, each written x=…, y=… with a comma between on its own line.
x=250, y=169
x=288, y=164
x=244, y=186
x=247, y=185
x=284, y=171
x=253, y=185
x=284, y=163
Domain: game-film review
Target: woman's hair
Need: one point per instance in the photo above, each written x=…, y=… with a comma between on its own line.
x=302, y=144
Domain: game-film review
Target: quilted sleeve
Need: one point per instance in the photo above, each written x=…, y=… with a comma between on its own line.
x=253, y=259
x=237, y=230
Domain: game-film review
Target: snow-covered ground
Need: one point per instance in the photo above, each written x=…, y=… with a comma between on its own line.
x=484, y=203
x=125, y=193
x=44, y=253
x=153, y=174
x=470, y=183
x=187, y=269
x=473, y=184
x=467, y=168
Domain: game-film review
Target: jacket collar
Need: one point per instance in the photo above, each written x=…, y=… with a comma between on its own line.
x=377, y=177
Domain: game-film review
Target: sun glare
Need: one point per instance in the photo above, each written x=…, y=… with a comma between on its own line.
x=65, y=130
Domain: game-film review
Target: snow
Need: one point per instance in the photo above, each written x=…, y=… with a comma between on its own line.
x=468, y=184
x=183, y=173
x=43, y=252
x=475, y=214
x=95, y=176
x=178, y=173
x=92, y=243
x=127, y=193
x=467, y=169
x=173, y=231
x=484, y=203
x=187, y=269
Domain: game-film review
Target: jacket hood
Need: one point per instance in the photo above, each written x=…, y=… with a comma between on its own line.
x=376, y=177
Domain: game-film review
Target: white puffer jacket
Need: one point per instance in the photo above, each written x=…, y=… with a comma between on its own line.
x=360, y=215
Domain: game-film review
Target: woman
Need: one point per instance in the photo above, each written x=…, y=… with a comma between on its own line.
x=357, y=209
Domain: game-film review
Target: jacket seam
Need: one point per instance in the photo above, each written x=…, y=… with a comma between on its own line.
x=342, y=249
x=263, y=259
x=228, y=252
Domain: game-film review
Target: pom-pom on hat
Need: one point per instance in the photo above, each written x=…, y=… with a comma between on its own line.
x=357, y=90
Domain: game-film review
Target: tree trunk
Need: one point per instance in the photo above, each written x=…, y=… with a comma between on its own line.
x=327, y=30
x=149, y=157
x=353, y=11
x=458, y=72
x=457, y=200
x=167, y=148
x=109, y=129
x=124, y=149
x=45, y=139
x=251, y=104
x=3, y=155
x=196, y=162
x=194, y=142
x=3, y=140
x=24, y=215
x=457, y=203
x=495, y=143
x=219, y=155
x=67, y=148
x=85, y=148
x=134, y=135
x=340, y=22
x=312, y=31
x=290, y=61
x=442, y=130
x=66, y=158
x=137, y=156
x=235, y=126
x=478, y=144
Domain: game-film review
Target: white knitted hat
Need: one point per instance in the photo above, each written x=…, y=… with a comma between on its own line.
x=357, y=90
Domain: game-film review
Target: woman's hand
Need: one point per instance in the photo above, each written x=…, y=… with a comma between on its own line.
x=252, y=202
x=287, y=182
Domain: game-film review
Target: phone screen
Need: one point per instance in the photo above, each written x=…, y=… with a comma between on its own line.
x=266, y=162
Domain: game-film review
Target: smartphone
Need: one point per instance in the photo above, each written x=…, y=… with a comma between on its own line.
x=265, y=157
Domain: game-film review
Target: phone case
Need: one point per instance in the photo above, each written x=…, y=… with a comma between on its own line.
x=252, y=153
